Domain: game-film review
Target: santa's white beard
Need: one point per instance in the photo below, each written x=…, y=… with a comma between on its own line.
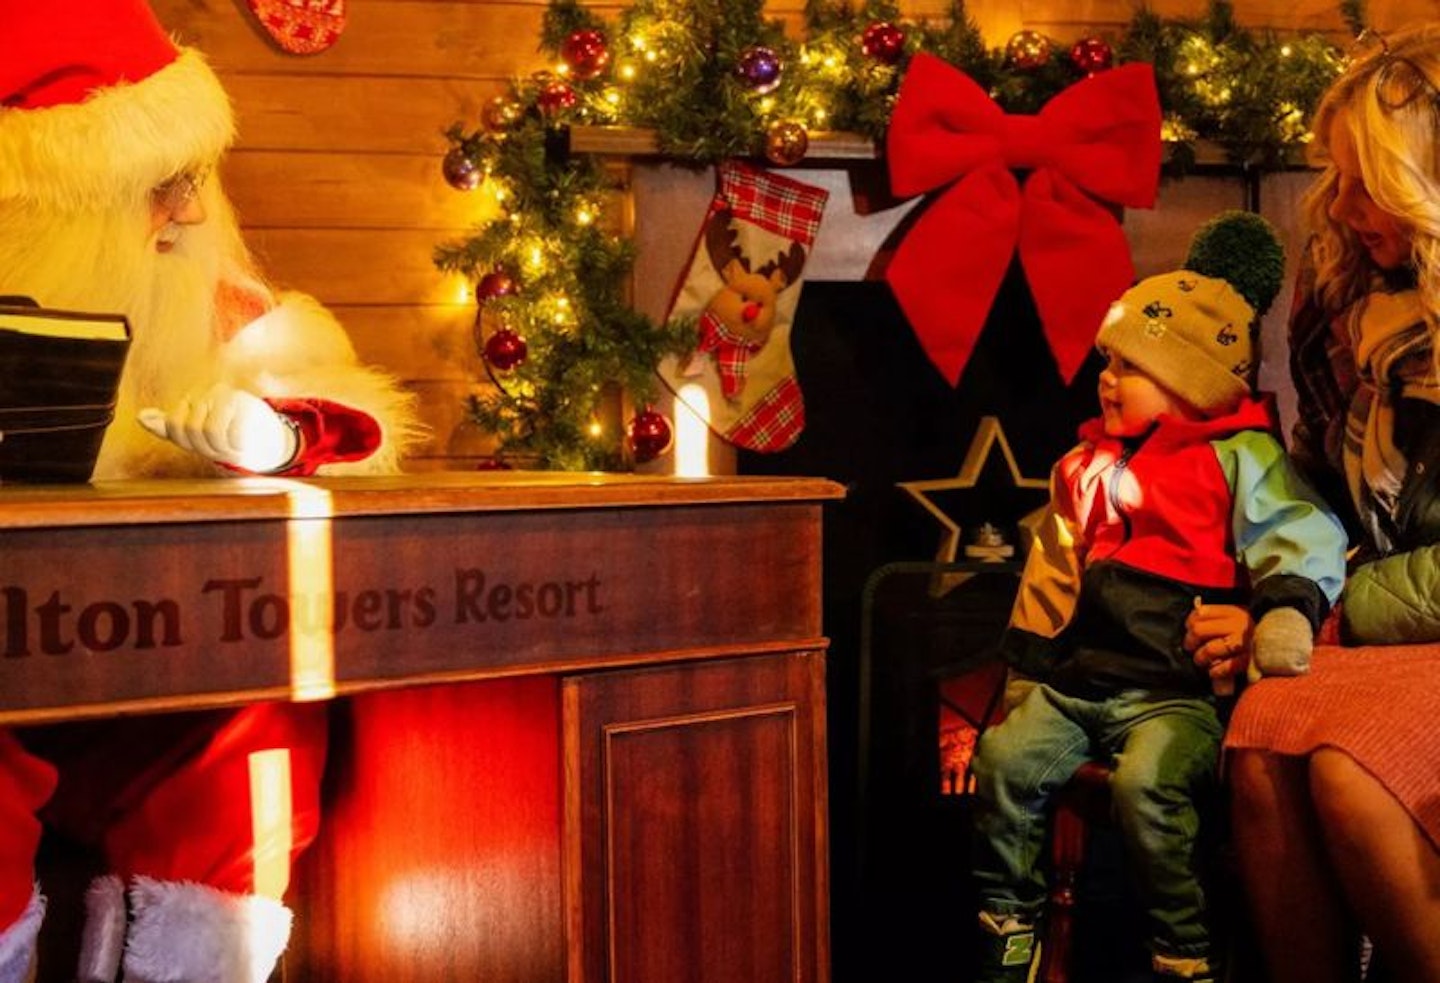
x=106, y=263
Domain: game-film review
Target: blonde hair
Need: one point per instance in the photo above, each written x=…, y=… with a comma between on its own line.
x=1397, y=149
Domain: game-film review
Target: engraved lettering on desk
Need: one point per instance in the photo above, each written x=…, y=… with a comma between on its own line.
x=478, y=600
x=248, y=612
x=101, y=626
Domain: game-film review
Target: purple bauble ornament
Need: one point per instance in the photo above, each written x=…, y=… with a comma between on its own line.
x=648, y=435
x=460, y=169
x=883, y=42
x=759, y=68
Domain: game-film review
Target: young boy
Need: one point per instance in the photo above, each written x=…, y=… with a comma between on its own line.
x=1178, y=496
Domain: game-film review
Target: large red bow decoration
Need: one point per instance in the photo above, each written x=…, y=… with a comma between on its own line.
x=1097, y=139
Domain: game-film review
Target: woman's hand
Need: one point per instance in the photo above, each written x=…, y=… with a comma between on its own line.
x=1218, y=637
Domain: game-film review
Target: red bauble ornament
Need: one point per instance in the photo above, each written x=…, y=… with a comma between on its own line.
x=649, y=435
x=555, y=97
x=1091, y=55
x=496, y=283
x=501, y=113
x=505, y=349
x=883, y=42
x=585, y=53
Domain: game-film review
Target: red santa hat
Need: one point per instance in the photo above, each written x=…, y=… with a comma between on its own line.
x=97, y=103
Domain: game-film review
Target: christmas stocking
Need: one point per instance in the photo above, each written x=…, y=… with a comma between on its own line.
x=300, y=27
x=743, y=284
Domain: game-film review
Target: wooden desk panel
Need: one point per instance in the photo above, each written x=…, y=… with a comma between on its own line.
x=148, y=612
x=633, y=789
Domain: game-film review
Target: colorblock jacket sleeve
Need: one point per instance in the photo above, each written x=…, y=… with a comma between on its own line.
x=1286, y=537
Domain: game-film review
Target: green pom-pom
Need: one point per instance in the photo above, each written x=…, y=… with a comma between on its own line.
x=1244, y=250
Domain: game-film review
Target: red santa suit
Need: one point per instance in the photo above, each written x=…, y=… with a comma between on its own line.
x=200, y=815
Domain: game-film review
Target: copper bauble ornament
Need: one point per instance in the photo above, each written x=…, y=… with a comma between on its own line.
x=1027, y=50
x=759, y=68
x=648, y=435
x=505, y=349
x=585, y=53
x=786, y=142
x=1091, y=55
x=501, y=113
x=884, y=42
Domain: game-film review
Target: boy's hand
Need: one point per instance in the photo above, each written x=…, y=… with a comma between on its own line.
x=1218, y=637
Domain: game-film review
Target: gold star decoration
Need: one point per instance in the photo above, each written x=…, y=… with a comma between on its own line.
x=988, y=435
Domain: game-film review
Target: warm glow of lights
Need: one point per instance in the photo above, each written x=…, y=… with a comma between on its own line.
x=821, y=116
x=767, y=104
x=562, y=69
x=1286, y=51
x=651, y=56
x=692, y=431
x=270, y=815
x=584, y=215
x=536, y=258
x=463, y=294
x=595, y=429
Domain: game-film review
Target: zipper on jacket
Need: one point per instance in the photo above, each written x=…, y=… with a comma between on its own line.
x=1118, y=472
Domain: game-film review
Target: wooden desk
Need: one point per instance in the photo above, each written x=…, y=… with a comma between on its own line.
x=652, y=648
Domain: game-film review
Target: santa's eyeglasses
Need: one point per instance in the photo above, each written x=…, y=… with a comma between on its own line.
x=173, y=194
x=1398, y=80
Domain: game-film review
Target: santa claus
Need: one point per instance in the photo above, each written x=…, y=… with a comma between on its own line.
x=109, y=203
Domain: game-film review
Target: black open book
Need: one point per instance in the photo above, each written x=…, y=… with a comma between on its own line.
x=59, y=375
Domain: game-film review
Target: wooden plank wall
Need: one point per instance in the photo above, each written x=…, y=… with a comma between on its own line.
x=336, y=173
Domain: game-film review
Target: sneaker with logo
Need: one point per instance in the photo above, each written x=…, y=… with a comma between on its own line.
x=1008, y=944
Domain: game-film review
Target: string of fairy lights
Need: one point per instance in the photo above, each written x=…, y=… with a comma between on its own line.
x=712, y=79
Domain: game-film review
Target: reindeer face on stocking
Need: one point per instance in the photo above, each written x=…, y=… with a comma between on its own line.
x=744, y=284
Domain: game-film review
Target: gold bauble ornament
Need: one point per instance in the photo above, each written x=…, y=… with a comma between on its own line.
x=1027, y=50
x=786, y=142
x=501, y=113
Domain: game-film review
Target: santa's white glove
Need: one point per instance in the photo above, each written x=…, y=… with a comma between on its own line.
x=228, y=426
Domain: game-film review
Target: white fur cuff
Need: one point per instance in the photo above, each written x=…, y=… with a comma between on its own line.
x=17, y=942
x=187, y=931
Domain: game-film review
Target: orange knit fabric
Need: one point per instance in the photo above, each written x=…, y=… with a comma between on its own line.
x=1377, y=703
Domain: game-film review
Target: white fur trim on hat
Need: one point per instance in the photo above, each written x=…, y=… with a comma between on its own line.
x=120, y=142
x=188, y=931
x=17, y=941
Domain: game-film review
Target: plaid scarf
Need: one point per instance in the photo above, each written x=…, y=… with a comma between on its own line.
x=731, y=353
x=1394, y=360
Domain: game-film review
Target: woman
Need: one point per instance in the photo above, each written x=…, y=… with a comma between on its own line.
x=1336, y=775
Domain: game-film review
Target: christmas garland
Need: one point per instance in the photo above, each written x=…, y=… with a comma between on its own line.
x=714, y=79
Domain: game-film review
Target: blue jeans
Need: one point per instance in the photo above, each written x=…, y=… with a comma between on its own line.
x=1164, y=754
